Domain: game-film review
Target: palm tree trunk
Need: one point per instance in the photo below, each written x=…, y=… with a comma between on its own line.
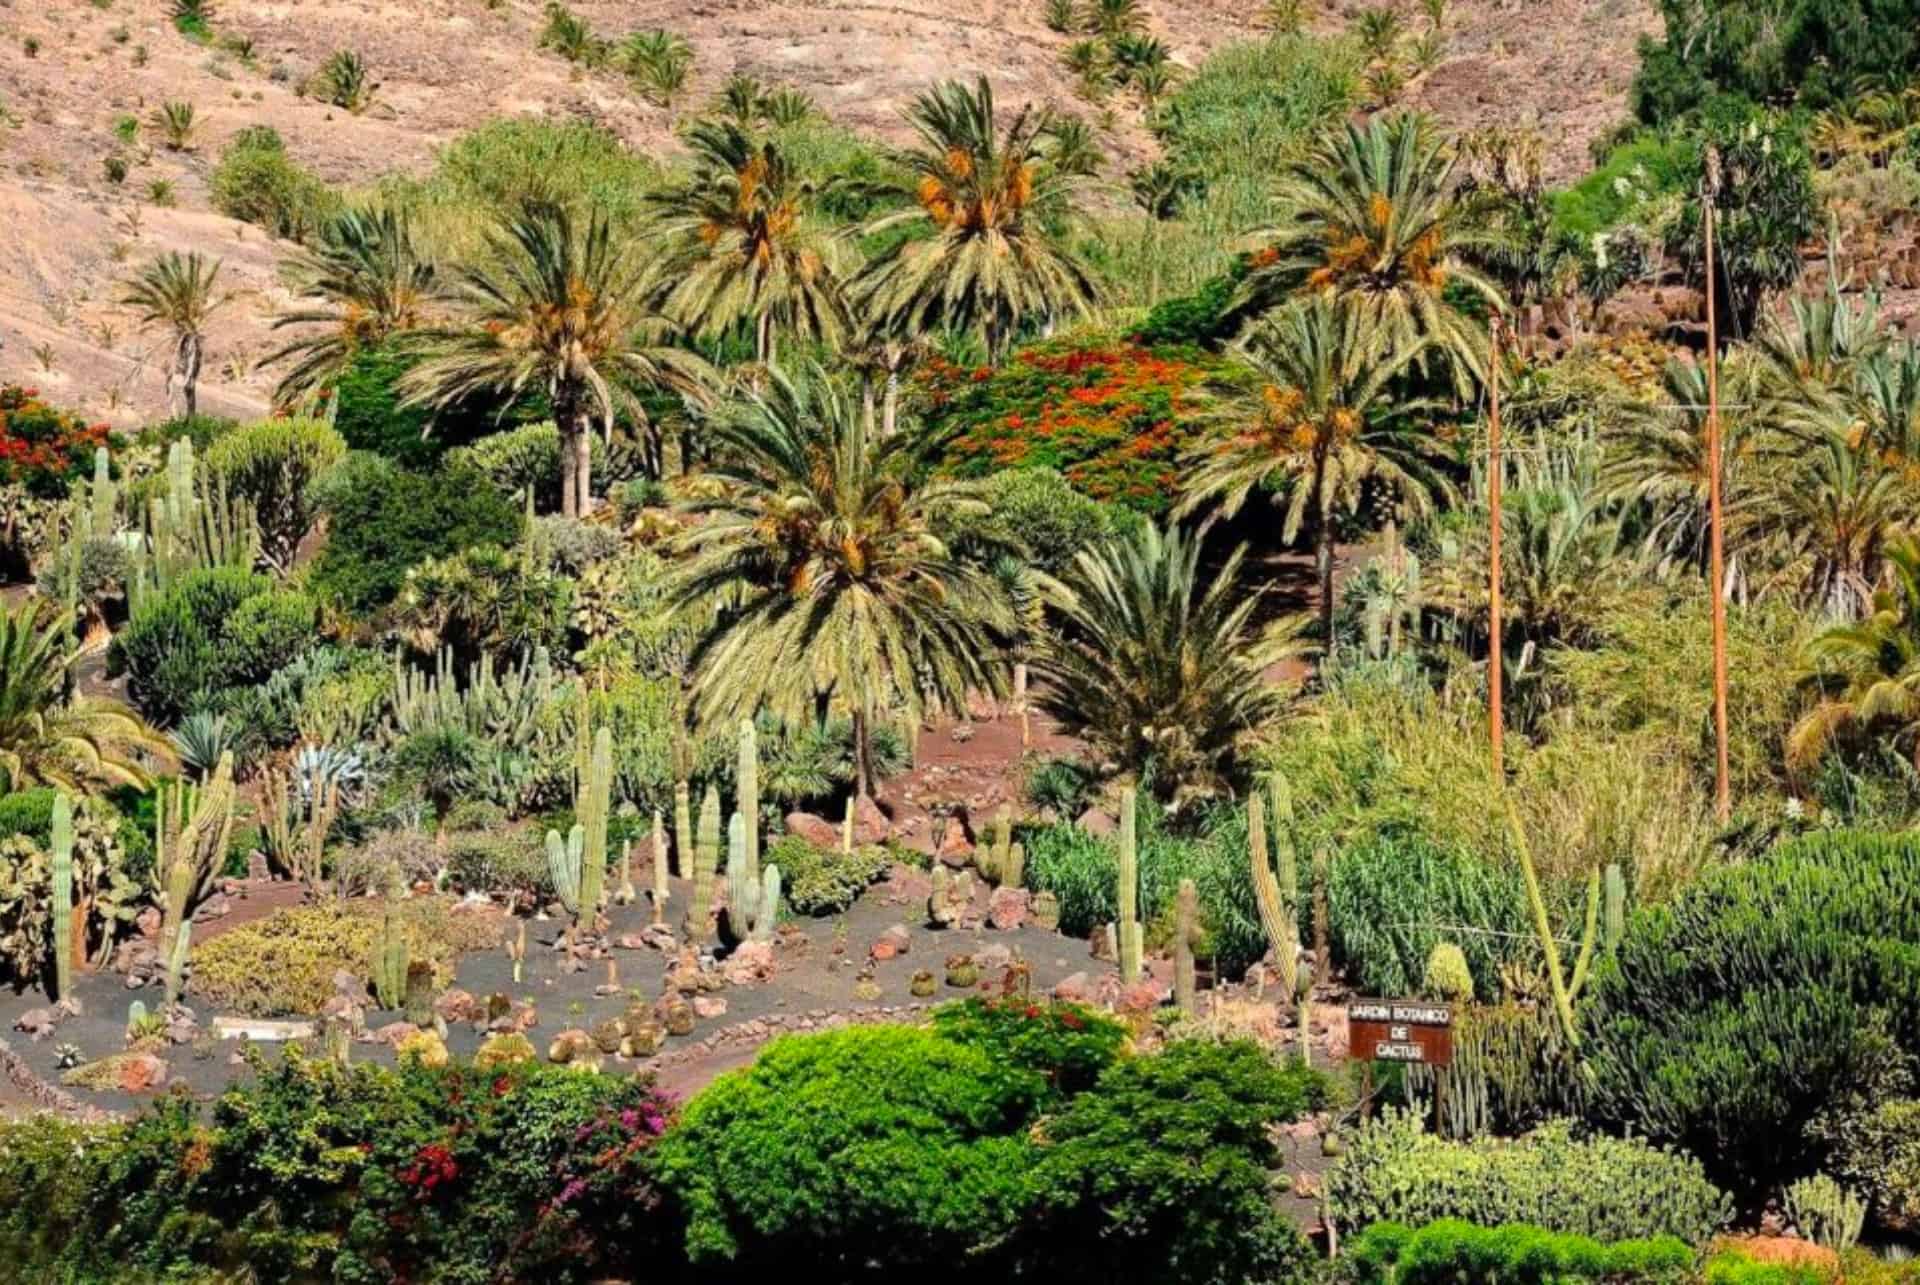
x=890, y=418
x=866, y=402
x=566, y=417
x=862, y=750
x=188, y=366
x=583, y=468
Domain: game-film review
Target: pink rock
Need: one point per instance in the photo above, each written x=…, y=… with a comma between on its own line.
x=818, y=831
x=993, y=957
x=1007, y=908
x=752, y=962
x=870, y=824
x=215, y=907
x=148, y=923
x=894, y=942
x=709, y=1006
x=956, y=845
x=457, y=1005
x=1077, y=989
x=907, y=886
x=1143, y=996
x=142, y=1073
x=37, y=1023
x=393, y=1032
x=1096, y=822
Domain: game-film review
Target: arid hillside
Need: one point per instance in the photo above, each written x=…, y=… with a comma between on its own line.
x=73, y=70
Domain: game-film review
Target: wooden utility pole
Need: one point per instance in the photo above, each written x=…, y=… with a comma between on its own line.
x=1722, y=784
x=1496, y=717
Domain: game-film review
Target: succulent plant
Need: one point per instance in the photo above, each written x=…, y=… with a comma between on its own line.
x=1129, y=933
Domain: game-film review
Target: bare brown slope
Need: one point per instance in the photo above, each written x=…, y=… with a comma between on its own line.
x=67, y=235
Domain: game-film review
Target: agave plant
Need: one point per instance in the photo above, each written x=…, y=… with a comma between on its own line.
x=176, y=123
x=202, y=738
x=343, y=81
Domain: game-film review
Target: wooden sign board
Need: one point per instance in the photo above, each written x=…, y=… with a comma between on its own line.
x=1398, y=1030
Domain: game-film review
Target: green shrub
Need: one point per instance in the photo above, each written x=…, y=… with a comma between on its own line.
x=1160, y=1171
x=864, y=1145
x=213, y=630
x=528, y=456
x=824, y=881
x=1452, y=1252
x=1875, y=1151
x=1065, y=1045
x=1737, y=1269
x=385, y=520
x=257, y=182
x=1607, y=1188
x=28, y=813
x=504, y=163
x=1037, y=511
x=1727, y=1020
x=310, y=1172
x=510, y=862
x=1391, y=898
x=1645, y=167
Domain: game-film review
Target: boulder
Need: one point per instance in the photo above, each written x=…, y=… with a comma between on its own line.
x=870, y=824
x=1076, y=989
x=955, y=848
x=815, y=830
x=706, y=1007
x=1007, y=908
x=751, y=962
x=1143, y=996
x=37, y=1023
x=993, y=958
x=1097, y=823
x=142, y=1073
x=149, y=922
x=455, y=1006
x=893, y=943
x=393, y=1033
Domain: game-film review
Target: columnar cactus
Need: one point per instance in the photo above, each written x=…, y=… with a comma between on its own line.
x=190, y=835
x=1563, y=991
x=1613, y=916
x=1277, y=895
x=592, y=808
x=706, y=860
x=62, y=855
x=683, y=828
x=392, y=957
x=1014, y=875
x=660, y=893
x=565, y=864
x=1186, y=926
x=747, y=773
x=624, y=893
x=769, y=914
x=1129, y=931
x=846, y=829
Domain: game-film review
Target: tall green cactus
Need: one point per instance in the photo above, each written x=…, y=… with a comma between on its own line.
x=103, y=497
x=1613, y=914
x=1129, y=932
x=1564, y=991
x=747, y=772
x=683, y=828
x=846, y=829
x=753, y=898
x=1186, y=926
x=706, y=861
x=565, y=863
x=1276, y=893
x=190, y=834
x=392, y=957
x=592, y=806
x=660, y=892
x=62, y=854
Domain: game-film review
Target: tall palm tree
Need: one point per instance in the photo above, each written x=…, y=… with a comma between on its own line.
x=178, y=292
x=1317, y=434
x=1158, y=664
x=50, y=738
x=822, y=535
x=558, y=307
x=740, y=244
x=1370, y=216
x=988, y=197
x=1868, y=673
x=367, y=279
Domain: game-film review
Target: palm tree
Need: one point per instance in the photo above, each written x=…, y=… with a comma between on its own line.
x=1159, y=191
x=177, y=291
x=741, y=247
x=368, y=280
x=1868, y=673
x=823, y=535
x=987, y=196
x=1316, y=436
x=560, y=308
x=1370, y=216
x=1156, y=664
x=50, y=738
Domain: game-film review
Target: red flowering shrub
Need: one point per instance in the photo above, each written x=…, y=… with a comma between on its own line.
x=1112, y=417
x=43, y=449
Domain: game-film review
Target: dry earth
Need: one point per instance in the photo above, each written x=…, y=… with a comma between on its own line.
x=67, y=235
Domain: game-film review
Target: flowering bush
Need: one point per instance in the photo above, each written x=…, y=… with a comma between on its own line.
x=43, y=449
x=1112, y=417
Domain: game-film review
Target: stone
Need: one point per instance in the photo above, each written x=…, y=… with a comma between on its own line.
x=993, y=958
x=1097, y=823
x=182, y=1029
x=1143, y=996
x=516, y=1021
x=37, y=1023
x=263, y=1029
x=1074, y=989
x=751, y=962
x=149, y=922
x=391, y=1034
x=218, y=906
x=257, y=870
x=706, y=1007
x=1007, y=908
x=350, y=984
x=568, y=1045
x=815, y=830
x=893, y=943
x=142, y=1073
x=906, y=886
x=870, y=825
x=456, y=1005
x=955, y=848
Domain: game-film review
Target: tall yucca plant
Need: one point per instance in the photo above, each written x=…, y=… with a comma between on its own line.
x=740, y=245
x=48, y=738
x=556, y=305
x=986, y=194
x=366, y=279
x=1868, y=673
x=1318, y=432
x=822, y=536
x=1157, y=664
x=178, y=291
x=1371, y=216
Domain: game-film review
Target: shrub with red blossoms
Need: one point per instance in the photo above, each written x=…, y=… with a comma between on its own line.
x=42, y=449
x=1114, y=418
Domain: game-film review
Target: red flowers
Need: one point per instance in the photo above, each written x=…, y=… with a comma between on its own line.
x=42, y=448
x=433, y=1167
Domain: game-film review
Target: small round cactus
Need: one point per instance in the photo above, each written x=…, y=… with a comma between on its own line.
x=1448, y=976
